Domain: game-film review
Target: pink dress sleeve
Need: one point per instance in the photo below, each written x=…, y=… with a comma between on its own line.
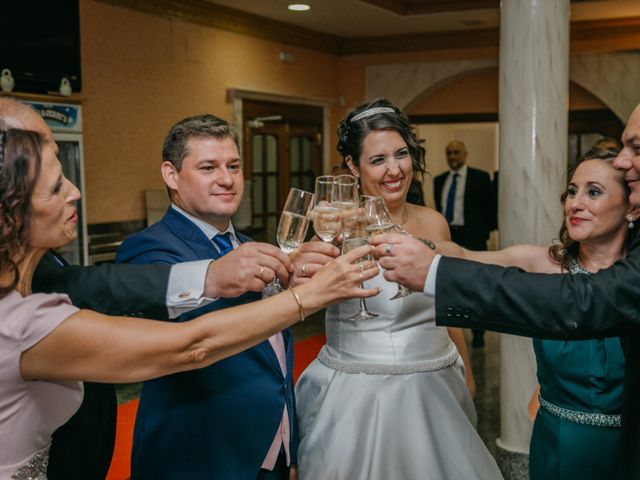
x=30, y=410
x=49, y=311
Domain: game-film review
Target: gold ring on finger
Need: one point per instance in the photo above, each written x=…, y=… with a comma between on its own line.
x=304, y=269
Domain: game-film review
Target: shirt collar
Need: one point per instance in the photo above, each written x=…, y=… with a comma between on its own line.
x=209, y=230
x=462, y=171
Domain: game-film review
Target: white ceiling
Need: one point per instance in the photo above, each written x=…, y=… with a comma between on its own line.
x=355, y=18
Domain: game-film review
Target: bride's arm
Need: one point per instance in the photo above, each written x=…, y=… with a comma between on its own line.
x=457, y=337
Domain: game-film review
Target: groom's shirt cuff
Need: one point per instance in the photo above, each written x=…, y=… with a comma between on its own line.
x=430, y=283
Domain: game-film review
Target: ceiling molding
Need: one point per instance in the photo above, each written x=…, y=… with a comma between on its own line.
x=583, y=33
x=621, y=30
x=231, y=20
x=235, y=93
x=422, y=7
x=451, y=40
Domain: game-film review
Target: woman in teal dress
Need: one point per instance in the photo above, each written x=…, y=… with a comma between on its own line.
x=576, y=433
x=575, y=378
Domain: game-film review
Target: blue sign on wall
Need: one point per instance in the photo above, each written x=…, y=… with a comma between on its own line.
x=59, y=117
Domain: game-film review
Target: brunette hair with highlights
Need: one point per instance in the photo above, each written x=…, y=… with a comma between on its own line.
x=19, y=168
x=352, y=133
x=565, y=249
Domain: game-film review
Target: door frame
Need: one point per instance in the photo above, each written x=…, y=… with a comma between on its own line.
x=237, y=96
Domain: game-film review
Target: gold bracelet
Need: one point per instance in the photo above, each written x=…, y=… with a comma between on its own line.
x=299, y=302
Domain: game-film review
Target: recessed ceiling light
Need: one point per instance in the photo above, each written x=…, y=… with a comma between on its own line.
x=299, y=7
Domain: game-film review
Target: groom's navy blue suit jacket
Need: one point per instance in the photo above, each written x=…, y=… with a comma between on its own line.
x=217, y=422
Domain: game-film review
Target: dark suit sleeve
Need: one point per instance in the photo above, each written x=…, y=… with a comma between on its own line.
x=474, y=295
x=132, y=290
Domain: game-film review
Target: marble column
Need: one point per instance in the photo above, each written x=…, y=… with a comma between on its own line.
x=534, y=87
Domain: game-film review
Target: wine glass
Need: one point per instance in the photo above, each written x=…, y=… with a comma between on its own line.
x=292, y=229
x=379, y=221
x=326, y=216
x=345, y=197
x=357, y=239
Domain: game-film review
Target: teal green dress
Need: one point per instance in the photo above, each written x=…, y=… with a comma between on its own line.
x=577, y=378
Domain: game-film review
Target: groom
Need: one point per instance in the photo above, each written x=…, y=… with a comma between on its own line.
x=607, y=303
x=234, y=419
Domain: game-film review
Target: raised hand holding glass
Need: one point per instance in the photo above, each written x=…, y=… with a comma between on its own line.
x=379, y=221
x=292, y=228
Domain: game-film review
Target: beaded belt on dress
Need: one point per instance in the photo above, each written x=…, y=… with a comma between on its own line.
x=585, y=418
x=388, y=368
x=36, y=469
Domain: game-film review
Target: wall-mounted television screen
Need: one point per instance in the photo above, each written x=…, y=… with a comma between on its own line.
x=40, y=43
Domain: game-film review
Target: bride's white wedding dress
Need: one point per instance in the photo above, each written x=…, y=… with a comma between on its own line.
x=386, y=399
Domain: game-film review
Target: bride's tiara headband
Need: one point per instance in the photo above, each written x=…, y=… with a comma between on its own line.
x=371, y=111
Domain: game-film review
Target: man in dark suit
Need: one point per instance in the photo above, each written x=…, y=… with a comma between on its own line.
x=236, y=418
x=465, y=196
x=508, y=300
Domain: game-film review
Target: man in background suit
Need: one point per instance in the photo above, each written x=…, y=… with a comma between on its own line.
x=465, y=196
x=236, y=418
x=570, y=307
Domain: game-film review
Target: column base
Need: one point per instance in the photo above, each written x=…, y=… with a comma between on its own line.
x=513, y=465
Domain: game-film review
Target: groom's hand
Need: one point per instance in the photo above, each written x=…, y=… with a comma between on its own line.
x=406, y=260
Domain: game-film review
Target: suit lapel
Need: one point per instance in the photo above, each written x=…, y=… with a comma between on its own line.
x=190, y=234
x=265, y=347
x=195, y=240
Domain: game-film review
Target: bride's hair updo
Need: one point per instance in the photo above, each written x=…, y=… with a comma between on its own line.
x=19, y=168
x=379, y=114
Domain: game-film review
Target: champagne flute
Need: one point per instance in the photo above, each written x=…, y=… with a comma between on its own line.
x=345, y=197
x=326, y=216
x=379, y=221
x=292, y=229
x=357, y=239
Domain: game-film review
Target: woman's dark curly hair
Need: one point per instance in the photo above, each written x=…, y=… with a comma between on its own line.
x=352, y=133
x=19, y=169
x=565, y=249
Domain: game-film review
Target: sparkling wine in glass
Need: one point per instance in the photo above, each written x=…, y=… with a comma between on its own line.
x=379, y=221
x=327, y=218
x=292, y=228
x=345, y=197
x=358, y=239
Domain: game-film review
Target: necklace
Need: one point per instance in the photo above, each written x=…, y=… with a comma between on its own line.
x=405, y=215
x=574, y=267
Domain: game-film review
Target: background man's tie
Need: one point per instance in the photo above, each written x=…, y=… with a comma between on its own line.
x=451, y=199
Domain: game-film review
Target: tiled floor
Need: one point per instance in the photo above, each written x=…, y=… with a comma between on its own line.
x=485, y=366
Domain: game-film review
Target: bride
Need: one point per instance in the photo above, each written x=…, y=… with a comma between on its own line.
x=387, y=397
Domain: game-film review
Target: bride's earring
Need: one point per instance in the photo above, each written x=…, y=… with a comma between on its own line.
x=631, y=223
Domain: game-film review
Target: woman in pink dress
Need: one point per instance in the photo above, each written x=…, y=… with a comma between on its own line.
x=47, y=346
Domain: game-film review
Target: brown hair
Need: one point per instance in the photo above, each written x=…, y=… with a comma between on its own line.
x=565, y=249
x=352, y=133
x=176, y=147
x=19, y=170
